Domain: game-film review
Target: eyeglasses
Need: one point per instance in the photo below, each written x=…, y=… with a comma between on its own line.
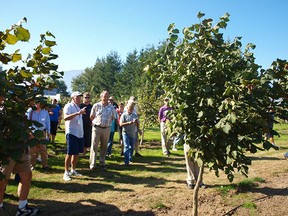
x=86, y=97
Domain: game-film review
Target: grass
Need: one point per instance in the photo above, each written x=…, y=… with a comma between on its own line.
x=248, y=184
x=151, y=182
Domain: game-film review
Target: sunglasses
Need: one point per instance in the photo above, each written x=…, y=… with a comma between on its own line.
x=86, y=97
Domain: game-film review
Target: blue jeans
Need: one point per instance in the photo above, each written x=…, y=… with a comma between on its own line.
x=128, y=147
x=110, y=143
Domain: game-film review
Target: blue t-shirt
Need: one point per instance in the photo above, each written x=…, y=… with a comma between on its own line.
x=55, y=115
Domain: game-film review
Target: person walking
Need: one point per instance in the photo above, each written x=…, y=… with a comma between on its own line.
x=102, y=114
x=74, y=134
x=87, y=124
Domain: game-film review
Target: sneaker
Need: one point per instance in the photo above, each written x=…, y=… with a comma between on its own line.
x=27, y=211
x=66, y=177
x=3, y=212
x=174, y=149
x=74, y=173
x=138, y=155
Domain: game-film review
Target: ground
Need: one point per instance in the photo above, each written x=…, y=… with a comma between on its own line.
x=149, y=189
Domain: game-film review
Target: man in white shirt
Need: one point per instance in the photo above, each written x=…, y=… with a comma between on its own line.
x=74, y=134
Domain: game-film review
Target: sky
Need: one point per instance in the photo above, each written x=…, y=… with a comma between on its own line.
x=90, y=29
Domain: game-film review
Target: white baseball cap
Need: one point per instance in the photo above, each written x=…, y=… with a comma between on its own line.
x=76, y=93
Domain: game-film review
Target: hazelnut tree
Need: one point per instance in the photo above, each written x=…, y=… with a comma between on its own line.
x=220, y=96
x=21, y=80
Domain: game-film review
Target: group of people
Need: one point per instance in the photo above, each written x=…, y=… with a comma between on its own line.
x=90, y=126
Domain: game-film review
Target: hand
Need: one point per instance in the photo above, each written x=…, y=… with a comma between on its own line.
x=82, y=111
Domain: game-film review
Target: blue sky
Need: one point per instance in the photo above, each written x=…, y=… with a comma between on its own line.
x=89, y=29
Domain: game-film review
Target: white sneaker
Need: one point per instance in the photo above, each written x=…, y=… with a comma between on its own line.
x=75, y=173
x=66, y=177
x=174, y=149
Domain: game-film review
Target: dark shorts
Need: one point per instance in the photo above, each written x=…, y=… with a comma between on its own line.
x=74, y=144
x=53, y=128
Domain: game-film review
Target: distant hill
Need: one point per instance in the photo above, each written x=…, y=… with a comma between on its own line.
x=68, y=75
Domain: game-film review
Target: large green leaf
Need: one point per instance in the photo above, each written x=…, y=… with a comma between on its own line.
x=22, y=34
x=11, y=39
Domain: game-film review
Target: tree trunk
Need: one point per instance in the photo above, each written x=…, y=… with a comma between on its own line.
x=196, y=190
x=143, y=129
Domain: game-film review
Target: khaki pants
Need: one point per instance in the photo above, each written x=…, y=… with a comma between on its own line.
x=165, y=142
x=15, y=167
x=99, y=135
x=191, y=166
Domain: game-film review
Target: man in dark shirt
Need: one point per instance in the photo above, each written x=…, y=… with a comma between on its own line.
x=87, y=124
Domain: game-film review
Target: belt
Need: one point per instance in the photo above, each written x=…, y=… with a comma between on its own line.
x=100, y=127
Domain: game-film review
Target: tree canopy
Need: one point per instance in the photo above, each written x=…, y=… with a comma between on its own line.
x=220, y=95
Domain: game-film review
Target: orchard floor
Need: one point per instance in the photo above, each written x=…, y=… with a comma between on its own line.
x=146, y=193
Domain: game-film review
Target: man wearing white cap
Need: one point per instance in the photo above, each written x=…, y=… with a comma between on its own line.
x=74, y=134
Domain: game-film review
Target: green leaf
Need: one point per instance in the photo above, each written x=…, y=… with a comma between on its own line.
x=232, y=117
x=50, y=34
x=226, y=128
x=173, y=37
x=16, y=57
x=22, y=34
x=200, y=114
x=25, y=74
x=11, y=39
x=38, y=134
x=200, y=15
x=171, y=27
x=199, y=161
x=210, y=102
x=46, y=50
x=5, y=58
x=50, y=43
